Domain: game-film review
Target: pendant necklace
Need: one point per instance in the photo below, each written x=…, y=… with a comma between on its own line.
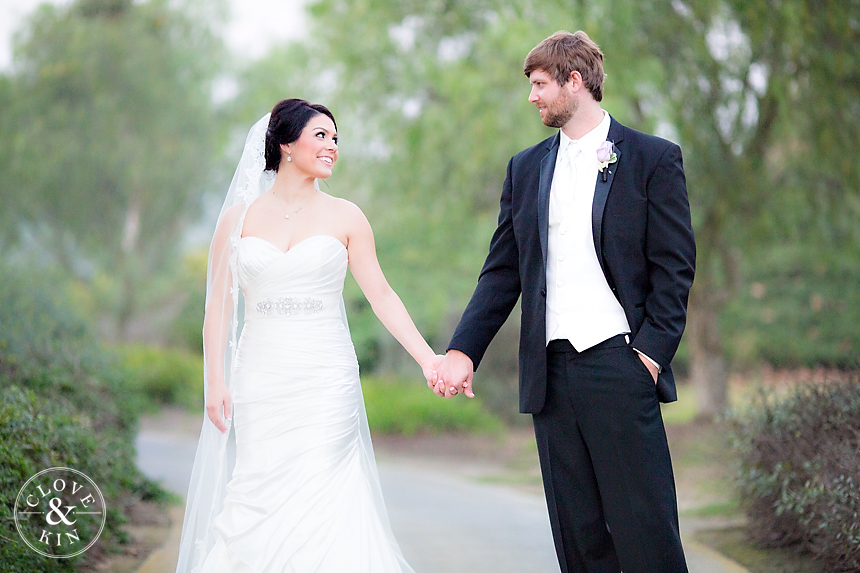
x=286, y=213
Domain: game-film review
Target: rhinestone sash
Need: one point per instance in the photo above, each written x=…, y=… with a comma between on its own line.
x=289, y=306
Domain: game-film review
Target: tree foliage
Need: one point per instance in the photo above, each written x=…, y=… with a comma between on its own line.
x=108, y=136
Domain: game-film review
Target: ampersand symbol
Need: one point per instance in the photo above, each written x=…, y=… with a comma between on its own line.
x=55, y=505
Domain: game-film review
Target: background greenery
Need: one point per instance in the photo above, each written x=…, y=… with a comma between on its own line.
x=115, y=149
x=118, y=139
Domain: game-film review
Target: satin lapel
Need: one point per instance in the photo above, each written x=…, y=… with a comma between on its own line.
x=601, y=191
x=547, y=167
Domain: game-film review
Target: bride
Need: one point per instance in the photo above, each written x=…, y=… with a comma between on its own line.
x=304, y=494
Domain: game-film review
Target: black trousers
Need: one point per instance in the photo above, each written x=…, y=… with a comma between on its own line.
x=605, y=462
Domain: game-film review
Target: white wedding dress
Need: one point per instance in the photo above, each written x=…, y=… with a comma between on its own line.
x=304, y=496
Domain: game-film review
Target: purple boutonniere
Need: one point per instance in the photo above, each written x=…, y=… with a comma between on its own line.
x=605, y=156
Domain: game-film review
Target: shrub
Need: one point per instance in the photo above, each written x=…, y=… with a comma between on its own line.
x=45, y=346
x=186, y=328
x=799, y=475
x=164, y=376
x=407, y=407
x=39, y=434
x=62, y=403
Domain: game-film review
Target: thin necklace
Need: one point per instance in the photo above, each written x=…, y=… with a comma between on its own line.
x=286, y=213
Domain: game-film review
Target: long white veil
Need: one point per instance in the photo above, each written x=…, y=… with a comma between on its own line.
x=212, y=469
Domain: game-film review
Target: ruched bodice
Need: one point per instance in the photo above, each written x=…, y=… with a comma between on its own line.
x=304, y=495
x=314, y=269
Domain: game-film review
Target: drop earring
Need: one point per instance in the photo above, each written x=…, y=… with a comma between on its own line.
x=289, y=158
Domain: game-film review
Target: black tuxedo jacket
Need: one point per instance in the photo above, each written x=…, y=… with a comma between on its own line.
x=644, y=242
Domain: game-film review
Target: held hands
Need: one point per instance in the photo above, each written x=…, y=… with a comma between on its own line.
x=218, y=396
x=430, y=367
x=453, y=375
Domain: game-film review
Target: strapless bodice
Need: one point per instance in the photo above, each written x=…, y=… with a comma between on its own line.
x=305, y=281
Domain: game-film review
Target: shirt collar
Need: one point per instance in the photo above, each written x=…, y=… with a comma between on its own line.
x=589, y=142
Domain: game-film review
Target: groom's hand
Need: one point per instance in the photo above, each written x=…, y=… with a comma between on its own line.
x=454, y=375
x=652, y=368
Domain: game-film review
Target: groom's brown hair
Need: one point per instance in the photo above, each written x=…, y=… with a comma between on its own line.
x=564, y=53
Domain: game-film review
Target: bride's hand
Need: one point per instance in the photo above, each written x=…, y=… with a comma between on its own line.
x=218, y=396
x=429, y=368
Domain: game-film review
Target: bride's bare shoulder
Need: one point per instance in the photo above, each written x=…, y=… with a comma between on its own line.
x=346, y=211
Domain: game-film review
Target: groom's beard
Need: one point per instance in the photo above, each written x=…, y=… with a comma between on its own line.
x=559, y=112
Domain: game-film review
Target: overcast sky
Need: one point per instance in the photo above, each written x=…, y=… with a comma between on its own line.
x=253, y=27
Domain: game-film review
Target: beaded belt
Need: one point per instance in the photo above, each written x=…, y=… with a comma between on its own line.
x=289, y=306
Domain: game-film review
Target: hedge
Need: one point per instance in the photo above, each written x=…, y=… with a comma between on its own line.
x=63, y=402
x=799, y=477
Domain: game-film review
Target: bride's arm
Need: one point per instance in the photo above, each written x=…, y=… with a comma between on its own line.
x=385, y=303
x=217, y=318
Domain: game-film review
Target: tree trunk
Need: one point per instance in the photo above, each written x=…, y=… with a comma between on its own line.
x=707, y=359
x=129, y=272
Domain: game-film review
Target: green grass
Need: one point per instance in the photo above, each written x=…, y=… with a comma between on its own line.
x=734, y=543
x=727, y=508
x=408, y=407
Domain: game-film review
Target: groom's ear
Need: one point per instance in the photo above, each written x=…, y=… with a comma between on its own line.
x=575, y=81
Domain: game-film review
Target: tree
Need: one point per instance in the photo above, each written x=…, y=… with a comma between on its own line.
x=111, y=137
x=764, y=97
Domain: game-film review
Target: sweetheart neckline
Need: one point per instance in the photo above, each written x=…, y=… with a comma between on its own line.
x=305, y=240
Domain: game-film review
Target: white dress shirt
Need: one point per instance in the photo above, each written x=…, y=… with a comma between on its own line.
x=580, y=305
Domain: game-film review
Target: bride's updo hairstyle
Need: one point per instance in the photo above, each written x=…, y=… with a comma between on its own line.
x=289, y=118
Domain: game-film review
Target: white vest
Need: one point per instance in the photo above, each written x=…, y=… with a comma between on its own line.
x=580, y=306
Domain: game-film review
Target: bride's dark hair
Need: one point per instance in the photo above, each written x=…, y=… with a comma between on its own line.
x=289, y=118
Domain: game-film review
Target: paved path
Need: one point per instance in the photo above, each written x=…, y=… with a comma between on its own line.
x=433, y=515
x=430, y=513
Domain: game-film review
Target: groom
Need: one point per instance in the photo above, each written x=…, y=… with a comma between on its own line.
x=595, y=234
